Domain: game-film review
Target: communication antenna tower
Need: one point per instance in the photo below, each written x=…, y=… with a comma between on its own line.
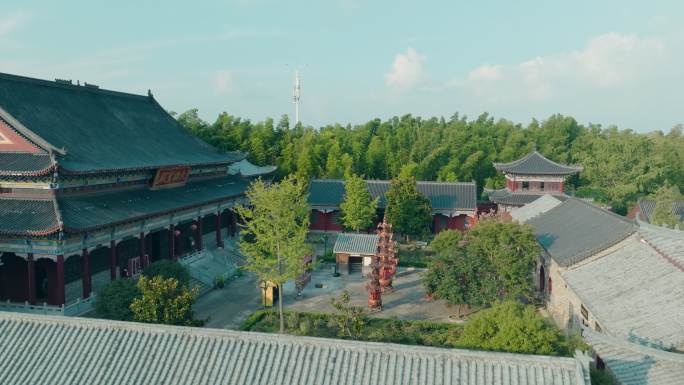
x=296, y=95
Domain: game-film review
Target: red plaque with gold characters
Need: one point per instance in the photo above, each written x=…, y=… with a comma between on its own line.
x=171, y=177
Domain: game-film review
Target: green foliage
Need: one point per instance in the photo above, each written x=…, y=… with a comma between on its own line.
x=600, y=377
x=408, y=211
x=350, y=319
x=446, y=241
x=619, y=165
x=358, y=208
x=166, y=268
x=164, y=300
x=492, y=260
x=664, y=198
x=512, y=327
x=113, y=301
x=274, y=234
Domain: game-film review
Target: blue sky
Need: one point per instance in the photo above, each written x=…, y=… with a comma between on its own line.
x=607, y=62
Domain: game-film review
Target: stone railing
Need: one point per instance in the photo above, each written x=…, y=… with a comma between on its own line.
x=75, y=308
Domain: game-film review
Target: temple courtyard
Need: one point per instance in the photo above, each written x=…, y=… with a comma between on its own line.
x=227, y=308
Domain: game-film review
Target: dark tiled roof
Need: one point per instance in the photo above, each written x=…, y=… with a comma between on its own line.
x=647, y=206
x=27, y=217
x=506, y=197
x=364, y=244
x=93, y=211
x=442, y=195
x=102, y=130
x=92, y=351
x=576, y=230
x=536, y=164
x=13, y=163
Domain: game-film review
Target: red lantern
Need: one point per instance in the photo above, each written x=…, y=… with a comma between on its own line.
x=177, y=233
x=193, y=227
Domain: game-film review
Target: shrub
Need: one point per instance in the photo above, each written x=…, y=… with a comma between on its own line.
x=446, y=241
x=220, y=282
x=168, y=269
x=305, y=326
x=114, y=300
x=164, y=301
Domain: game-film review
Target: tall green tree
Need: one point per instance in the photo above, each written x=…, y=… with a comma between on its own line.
x=407, y=210
x=164, y=301
x=358, y=208
x=274, y=232
x=663, y=214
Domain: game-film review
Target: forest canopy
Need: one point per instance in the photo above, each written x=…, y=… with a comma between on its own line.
x=619, y=165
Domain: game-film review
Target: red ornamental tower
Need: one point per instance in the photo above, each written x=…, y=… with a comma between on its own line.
x=386, y=255
x=374, y=288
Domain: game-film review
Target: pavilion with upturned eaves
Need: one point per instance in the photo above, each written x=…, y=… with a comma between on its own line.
x=97, y=184
x=529, y=178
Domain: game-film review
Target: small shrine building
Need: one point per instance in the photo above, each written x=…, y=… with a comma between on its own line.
x=529, y=178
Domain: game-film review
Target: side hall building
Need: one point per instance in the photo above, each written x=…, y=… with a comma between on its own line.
x=454, y=204
x=97, y=184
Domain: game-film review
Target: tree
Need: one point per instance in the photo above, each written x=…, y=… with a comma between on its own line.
x=274, y=232
x=511, y=248
x=407, y=210
x=358, y=208
x=663, y=214
x=350, y=319
x=168, y=269
x=446, y=241
x=113, y=301
x=164, y=300
x=513, y=327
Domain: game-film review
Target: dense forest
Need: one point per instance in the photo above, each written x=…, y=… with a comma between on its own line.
x=619, y=165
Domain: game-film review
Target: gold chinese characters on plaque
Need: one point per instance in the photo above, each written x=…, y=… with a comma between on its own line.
x=171, y=177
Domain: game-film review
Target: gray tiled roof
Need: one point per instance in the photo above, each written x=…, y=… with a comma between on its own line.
x=42, y=350
x=575, y=230
x=539, y=206
x=667, y=241
x=351, y=243
x=634, y=292
x=101, y=129
x=27, y=217
x=536, y=164
x=247, y=169
x=634, y=364
x=442, y=195
x=507, y=197
x=85, y=212
x=646, y=207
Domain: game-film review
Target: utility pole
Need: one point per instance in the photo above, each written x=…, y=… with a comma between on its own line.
x=296, y=95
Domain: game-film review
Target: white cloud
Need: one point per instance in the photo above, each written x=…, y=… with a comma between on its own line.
x=407, y=70
x=608, y=61
x=10, y=23
x=224, y=82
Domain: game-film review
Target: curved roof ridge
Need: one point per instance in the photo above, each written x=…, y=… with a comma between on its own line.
x=632, y=346
x=536, y=160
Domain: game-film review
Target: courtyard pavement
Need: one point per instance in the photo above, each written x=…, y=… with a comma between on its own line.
x=228, y=308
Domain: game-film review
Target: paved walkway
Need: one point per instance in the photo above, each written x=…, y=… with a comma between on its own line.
x=229, y=307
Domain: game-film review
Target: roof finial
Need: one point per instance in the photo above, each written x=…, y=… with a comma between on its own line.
x=149, y=93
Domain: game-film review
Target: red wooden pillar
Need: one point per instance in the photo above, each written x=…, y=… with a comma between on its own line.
x=31, y=279
x=60, y=295
x=143, y=260
x=199, y=233
x=219, y=240
x=112, y=259
x=86, y=277
x=172, y=239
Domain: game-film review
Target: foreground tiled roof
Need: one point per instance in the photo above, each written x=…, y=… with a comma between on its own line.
x=93, y=211
x=507, y=197
x=576, y=230
x=668, y=242
x=634, y=292
x=356, y=243
x=536, y=164
x=42, y=350
x=27, y=217
x=442, y=195
x=99, y=129
x=646, y=207
x=635, y=364
x=539, y=206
